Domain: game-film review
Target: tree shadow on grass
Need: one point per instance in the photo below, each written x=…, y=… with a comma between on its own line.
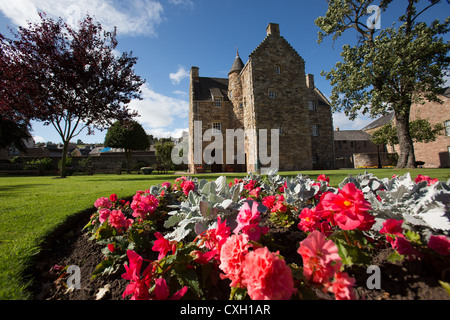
x=4, y=190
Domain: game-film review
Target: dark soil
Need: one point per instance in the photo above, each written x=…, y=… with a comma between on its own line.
x=406, y=280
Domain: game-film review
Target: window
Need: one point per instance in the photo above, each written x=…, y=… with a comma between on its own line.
x=315, y=130
x=217, y=128
x=311, y=105
x=272, y=94
x=277, y=70
x=231, y=94
x=315, y=159
x=218, y=102
x=447, y=128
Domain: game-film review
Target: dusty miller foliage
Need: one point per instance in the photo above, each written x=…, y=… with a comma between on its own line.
x=424, y=209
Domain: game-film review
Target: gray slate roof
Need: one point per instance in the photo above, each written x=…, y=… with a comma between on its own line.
x=238, y=65
x=206, y=88
x=351, y=135
x=379, y=122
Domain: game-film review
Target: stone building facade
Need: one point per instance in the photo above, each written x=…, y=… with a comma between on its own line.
x=272, y=92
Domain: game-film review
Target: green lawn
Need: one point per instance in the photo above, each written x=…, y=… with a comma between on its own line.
x=31, y=207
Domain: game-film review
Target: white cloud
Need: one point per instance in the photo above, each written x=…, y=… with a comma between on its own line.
x=131, y=17
x=179, y=75
x=161, y=133
x=158, y=111
x=182, y=2
x=341, y=121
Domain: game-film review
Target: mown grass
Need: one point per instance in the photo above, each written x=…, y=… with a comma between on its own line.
x=32, y=207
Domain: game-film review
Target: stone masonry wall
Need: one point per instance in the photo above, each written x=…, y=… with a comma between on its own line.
x=287, y=108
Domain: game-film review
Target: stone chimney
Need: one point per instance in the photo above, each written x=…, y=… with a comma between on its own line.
x=337, y=128
x=273, y=28
x=310, y=81
x=195, y=74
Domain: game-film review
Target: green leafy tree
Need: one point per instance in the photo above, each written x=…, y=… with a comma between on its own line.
x=164, y=154
x=128, y=135
x=421, y=130
x=388, y=69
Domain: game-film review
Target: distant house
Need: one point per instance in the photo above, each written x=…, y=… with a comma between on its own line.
x=350, y=142
x=435, y=154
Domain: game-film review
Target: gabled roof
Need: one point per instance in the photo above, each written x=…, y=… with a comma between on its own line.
x=351, y=135
x=379, y=122
x=323, y=101
x=269, y=38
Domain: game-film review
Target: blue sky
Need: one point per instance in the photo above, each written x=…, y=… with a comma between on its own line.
x=171, y=36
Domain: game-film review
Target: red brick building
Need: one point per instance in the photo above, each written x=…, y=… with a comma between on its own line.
x=435, y=154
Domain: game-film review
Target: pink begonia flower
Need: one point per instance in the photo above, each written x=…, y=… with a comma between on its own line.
x=161, y=291
x=144, y=205
x=248, y=220
x=103, y=214
x=102, y=202
x=166, y=184
x=309, y=220
x=266, y=276
x=163, y=246
x=269, y=201
x=404, y=247
x=139, y=285
x=118, y=220
x=111, y=247
x=392, y=227
x=188, y=186
x=426, y=178
x=440, y=244
x=255, y=192
x=347, y=209
x=283, y=187
x=250, y=185
x=323, y=177
x=320, y=257
x=247, y=215
x=215, y=238
x=325, y=228
x=342, y=286
x=113, y=198
x=232, y=255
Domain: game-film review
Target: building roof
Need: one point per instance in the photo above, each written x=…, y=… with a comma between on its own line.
x=379, y=122
x=208, y=88
x=351, y=135
x=238, y=65
x=446, y=92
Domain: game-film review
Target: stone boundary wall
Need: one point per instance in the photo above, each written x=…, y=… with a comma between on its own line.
x=371, y=159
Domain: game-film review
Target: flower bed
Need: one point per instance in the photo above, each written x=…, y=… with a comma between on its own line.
x=270, y=237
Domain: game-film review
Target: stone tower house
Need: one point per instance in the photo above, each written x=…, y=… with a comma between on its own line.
x=271, y=91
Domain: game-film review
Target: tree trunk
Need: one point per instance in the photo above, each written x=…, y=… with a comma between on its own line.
x=406, y=158
x=64, y=159
x=128, y=159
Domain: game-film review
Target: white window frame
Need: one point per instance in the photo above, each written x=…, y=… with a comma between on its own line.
x=217, y=127
x=315, y=130
x=218, y=102
x=447, y=128
x=312, y=105
x=272, y=94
